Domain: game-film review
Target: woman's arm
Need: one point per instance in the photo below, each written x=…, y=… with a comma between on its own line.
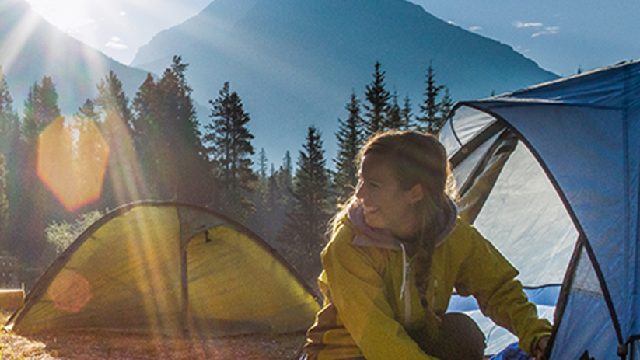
x=488, y=276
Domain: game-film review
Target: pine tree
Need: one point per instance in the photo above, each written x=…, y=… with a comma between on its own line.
x=258, y=220
x=146, y=133
x=262, y=163
x=145, y=105
x=350, y=139
x=37, y=202
x=446, y=105
x=284, y=181
x=48, y=97
x=192, y=165
x=311, y=186
x=406, y=113
x=270, y=212
x=431, y=120
x=8, y=118
x=30, y=124
x=9, y=121
x=88, y=110
x=232, y=149
x=10, y=182
x=274, y=190
x=166, y=132
x=305, y=229
x=112, y=100
x=8, y=140
x=124, y=180
x=286, y=170
x=40, y=109
x=377, y=102
x=393, y=120
x=4, y=205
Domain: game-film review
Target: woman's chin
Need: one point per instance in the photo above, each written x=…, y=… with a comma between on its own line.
x=373, y=223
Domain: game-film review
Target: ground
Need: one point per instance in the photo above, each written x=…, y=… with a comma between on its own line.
x=96, y=345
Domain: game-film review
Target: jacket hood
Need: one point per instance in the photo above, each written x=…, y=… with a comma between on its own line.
x=382, y=238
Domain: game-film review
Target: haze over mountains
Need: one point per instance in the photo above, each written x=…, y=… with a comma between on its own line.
x=31, y=48
x=294, y=63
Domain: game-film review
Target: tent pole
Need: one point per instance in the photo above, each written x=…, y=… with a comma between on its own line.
x=184, y=288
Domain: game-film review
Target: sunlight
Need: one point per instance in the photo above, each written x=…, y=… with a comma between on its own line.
x=77, y=18
x=16, y=40
x=66, y=15
x=154, y=265
x=69, y=291
x=72, y=160
x=126, y=174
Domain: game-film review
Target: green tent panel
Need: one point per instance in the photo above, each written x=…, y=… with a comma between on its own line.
x=164, y=267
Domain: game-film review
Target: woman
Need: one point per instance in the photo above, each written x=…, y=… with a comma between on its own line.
x=397, y=252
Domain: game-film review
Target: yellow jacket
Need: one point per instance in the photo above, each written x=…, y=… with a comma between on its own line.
x=371, y=299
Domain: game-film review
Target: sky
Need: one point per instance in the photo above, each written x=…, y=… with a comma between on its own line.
x=560, y=36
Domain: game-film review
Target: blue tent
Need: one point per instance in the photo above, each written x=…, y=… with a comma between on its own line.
x=550, y=174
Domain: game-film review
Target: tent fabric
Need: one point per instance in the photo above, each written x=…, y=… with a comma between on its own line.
x=564, y=208
x=512, y=352
x=169, y=268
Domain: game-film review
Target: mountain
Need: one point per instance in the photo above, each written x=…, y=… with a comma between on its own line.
x=295, y=63
x=31, y=48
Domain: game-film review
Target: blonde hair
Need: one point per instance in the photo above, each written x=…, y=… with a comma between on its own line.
x=416, y=158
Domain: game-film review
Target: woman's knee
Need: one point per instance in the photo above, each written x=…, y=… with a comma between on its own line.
x=460, y=338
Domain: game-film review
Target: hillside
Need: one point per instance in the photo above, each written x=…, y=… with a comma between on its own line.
x=295, y=63
x=31, y=48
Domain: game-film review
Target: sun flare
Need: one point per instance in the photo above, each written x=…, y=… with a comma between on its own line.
x=67, y=15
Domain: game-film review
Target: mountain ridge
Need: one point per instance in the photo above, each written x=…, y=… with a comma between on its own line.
x=295, y=63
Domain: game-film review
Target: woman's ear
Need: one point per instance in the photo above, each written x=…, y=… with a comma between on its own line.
x=416, y=194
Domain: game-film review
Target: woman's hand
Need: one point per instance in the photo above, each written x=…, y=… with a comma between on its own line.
x=541, y=347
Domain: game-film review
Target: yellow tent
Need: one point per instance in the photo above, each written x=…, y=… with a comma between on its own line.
x=170, y=268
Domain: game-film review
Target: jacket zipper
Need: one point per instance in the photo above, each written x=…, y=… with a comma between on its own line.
x=405, y=290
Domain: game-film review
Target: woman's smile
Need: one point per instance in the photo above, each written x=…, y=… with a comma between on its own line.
x=368, y=210
x=385, y=204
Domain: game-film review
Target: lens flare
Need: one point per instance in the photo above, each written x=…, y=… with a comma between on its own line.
x=72, y=160
x=69, y=291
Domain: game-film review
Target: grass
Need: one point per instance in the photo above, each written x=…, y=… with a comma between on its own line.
x=13, y=346
x=101, y=345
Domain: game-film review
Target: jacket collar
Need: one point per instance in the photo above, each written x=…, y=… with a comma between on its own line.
x=382, y=238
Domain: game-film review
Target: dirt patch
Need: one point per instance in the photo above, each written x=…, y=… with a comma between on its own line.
x=99, y=345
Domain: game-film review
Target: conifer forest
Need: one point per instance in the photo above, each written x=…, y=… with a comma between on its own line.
x=58, y=174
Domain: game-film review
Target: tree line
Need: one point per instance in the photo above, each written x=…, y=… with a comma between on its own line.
x=159, y=150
